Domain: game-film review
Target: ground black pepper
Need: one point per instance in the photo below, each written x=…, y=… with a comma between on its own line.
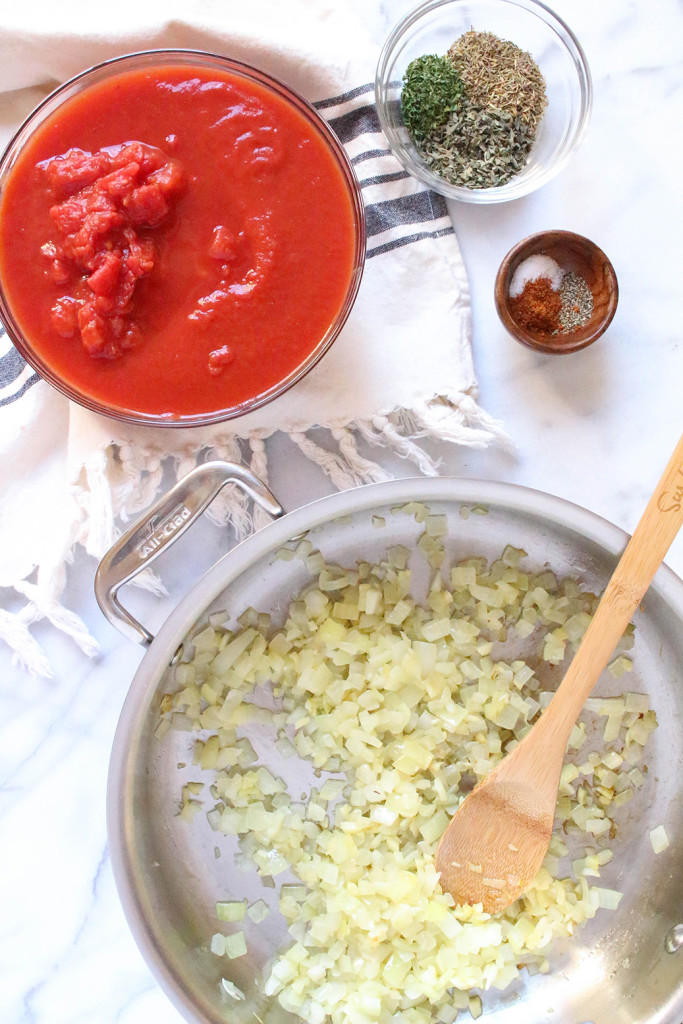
x=576, y=303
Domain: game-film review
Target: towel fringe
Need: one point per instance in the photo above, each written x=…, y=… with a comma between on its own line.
x=343, y=474
x=258, y=464
x=117, y=483
x=27, y=651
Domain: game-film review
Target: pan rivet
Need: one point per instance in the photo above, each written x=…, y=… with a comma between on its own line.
x=674, y=939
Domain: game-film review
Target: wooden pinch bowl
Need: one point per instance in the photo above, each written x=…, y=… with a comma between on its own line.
x=572, y=253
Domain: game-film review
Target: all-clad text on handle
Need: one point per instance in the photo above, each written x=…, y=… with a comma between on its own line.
x=161, y=526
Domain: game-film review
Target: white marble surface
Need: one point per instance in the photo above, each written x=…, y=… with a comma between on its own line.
x=595, y=427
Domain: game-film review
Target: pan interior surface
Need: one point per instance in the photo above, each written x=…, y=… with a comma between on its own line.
x=616, y=969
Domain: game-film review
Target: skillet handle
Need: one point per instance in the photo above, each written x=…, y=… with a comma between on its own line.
x=160, y=526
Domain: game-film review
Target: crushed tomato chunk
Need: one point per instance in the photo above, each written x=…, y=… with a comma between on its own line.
x=219, y=359
x=104, y=200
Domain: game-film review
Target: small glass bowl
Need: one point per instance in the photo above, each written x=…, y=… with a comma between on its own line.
x=190, y=58
x=433, y=26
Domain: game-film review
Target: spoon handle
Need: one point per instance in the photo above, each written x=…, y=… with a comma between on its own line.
x=642, y=556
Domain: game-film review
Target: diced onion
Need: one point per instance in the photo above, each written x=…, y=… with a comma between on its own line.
x=475, y=1007
x=235, y=945
x=232, y=990
x=399, y=704
x=609, y=899
x=258, y=911
x=231, y=910
x=659, y=839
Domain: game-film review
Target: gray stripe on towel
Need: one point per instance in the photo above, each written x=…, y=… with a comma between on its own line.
x=413, y=209
x=11, y=366
x=370, y=154
x=356, y=122
x=396, y=243
x=336, y=101
x=379, y=179
x=33, y=379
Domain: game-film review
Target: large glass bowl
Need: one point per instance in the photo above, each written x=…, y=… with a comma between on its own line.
x=433, y=26
x=317, y=125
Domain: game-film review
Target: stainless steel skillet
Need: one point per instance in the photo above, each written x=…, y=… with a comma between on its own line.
x=624, y=967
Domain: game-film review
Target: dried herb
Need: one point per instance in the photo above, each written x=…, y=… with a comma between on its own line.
x=576, y=302
x=497, y=73
x=431, y=89
x=478, y=147
x=473, y=114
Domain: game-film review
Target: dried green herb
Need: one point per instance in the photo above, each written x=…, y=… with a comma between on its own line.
x=577, y=302
x=497, y=73
x=473, y=114
x=431, y=89
x=478, y=147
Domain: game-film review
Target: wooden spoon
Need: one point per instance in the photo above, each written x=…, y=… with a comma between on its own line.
x=496, y=841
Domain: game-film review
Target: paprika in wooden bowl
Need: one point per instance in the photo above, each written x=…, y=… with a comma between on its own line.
x=182, y=238
x=556, y=292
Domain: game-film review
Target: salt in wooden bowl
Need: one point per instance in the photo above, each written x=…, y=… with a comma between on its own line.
x=572, y=253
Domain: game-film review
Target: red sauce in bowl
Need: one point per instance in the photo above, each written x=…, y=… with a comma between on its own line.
x=176, y=241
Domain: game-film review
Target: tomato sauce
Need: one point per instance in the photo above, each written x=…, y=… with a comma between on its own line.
x=175, y=240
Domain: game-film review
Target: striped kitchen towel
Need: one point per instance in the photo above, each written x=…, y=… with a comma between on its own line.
x=400, y=371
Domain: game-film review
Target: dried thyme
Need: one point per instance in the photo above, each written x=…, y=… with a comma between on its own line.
x=478, y=148
x=432, y=87
x=497, y=73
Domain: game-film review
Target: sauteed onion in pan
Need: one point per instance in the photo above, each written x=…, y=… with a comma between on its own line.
x=400, y=705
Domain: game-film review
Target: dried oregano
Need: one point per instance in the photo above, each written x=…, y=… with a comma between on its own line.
x=478, y=148
x=431, y=89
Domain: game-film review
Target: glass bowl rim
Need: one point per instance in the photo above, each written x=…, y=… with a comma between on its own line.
x=166, y=56
x=518, y=186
